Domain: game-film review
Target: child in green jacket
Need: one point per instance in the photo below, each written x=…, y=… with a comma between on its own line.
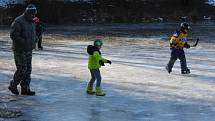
x=95, y=61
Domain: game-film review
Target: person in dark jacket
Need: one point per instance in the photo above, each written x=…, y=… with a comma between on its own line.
x=23, y=35
x=39, y=31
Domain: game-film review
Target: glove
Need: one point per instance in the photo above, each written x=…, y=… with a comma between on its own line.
x=186, y=45
x=108, y=61
x=101, y=63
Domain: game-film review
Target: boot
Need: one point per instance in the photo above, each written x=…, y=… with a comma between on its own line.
x=100, y=92
x=13, y=89
x=27, y=92
x=25, y=88
x=187, y=71
x=40, y=48
x=90, y=90
x=168, y=70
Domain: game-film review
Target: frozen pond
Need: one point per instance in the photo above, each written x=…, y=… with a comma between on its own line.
x=137, y=85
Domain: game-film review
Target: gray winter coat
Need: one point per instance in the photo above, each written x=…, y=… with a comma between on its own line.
x=23, y=34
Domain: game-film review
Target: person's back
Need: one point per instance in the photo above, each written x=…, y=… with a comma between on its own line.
x=177, y=44
x=178, y=39
x=39, y=31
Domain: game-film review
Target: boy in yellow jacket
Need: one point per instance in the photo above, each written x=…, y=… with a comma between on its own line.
x=177, y=44
x=95, y=61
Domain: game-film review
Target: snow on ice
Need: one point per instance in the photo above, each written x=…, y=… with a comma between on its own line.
x=137, y=84
x=211, y=2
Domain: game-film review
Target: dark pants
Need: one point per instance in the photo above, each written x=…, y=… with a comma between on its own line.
x=39, y=44
x=177, y=54
x=95, y=75
x=22, y=75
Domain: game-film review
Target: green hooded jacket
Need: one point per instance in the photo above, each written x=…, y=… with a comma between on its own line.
x=95, y=59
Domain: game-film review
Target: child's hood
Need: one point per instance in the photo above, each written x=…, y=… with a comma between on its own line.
x=91, y=49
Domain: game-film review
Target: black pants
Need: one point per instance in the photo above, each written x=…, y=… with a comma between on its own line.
x=39, y=44
x=177, y=54
x=22, y=75
x=95, y=76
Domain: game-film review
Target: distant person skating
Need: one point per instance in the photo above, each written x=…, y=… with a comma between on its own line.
x=95, y=61
x=39, y=31
x=23, y=35
x=177, y=44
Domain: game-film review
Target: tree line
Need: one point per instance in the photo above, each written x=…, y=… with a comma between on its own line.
x=112, y=11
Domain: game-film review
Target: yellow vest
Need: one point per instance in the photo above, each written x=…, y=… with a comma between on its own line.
x=178, y=40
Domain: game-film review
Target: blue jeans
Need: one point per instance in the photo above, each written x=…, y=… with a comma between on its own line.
x=95, y=76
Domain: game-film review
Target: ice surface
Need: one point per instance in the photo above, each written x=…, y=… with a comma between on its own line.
x=4, y=3
x=211, y=2
x=137, y=85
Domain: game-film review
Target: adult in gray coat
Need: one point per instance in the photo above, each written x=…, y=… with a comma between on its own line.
x=23, y=35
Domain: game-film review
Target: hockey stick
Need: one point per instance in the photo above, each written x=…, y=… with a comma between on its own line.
x=196, y=43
